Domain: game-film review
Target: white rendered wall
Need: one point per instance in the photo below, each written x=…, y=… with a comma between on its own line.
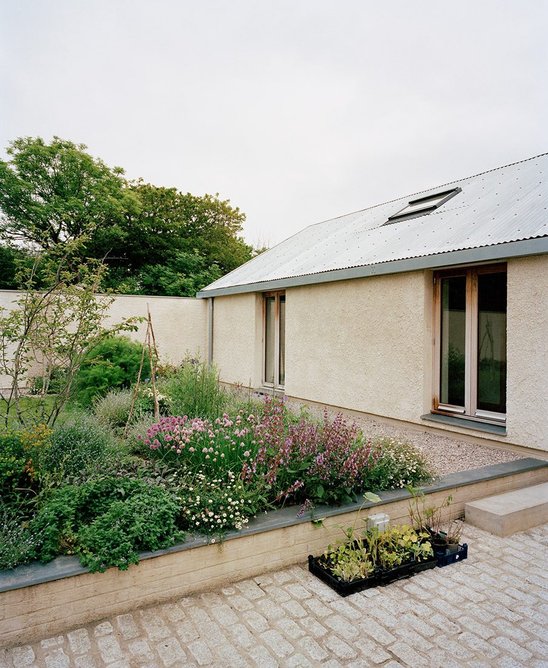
x=237, y=338
x=527, y=419
x=359, y=344
x=180, y=323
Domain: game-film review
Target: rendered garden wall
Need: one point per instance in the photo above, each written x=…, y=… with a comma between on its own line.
x=180, y=323
x=40, y=600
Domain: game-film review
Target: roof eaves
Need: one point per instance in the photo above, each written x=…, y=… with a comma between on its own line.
x=522, y=248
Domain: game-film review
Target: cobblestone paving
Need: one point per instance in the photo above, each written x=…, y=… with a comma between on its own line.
x=491, y=610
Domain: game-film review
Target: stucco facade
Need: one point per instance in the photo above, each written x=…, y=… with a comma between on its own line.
x=367, y=345
x=359, y=344
x=527, y=350
x=237, y=339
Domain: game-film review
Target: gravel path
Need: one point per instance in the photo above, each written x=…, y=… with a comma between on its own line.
x=444, y=453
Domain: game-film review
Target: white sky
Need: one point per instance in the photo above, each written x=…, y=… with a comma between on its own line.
x=295, y=110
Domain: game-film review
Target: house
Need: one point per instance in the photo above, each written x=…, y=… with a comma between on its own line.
x=430, y=309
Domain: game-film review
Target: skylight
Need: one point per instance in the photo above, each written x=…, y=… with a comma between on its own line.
x=422, y=205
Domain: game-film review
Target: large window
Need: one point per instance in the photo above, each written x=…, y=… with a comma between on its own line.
x=274, y=339
x=470, y=351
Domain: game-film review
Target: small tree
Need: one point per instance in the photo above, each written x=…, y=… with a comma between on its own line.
x=52, y=330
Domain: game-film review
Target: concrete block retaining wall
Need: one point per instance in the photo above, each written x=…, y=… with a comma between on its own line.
x=39, y=600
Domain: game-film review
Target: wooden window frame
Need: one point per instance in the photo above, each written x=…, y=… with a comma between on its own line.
x=276, y=385
x=470, y=410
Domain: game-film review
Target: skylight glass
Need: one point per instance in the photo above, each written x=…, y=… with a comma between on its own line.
x=422, y=205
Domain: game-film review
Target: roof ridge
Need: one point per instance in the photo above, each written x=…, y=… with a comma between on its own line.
x=420, y=192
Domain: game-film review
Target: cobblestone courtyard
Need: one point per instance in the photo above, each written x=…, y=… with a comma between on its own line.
x=491, y=610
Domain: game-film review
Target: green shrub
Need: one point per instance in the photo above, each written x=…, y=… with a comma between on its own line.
x=56, y=382
x=107, y=522
x=20, y=451
x=113, y=409
x=113, y=363
x=17, y=542
x=79, y=447
x=13, y=462
x=194, y=390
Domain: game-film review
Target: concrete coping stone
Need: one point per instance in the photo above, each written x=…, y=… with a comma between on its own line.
x=61, y=567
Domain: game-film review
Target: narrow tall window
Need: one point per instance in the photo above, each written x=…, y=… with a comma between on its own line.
x=274, y=339
x=470, y=356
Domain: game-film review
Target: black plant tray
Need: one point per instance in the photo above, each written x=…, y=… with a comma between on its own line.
x=445, y=558
x=379, y=578
x=342, y=588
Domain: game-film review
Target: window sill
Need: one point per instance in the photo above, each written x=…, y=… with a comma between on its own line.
x=463, y=423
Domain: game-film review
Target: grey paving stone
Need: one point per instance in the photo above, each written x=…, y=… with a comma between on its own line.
x=127, y=626
x=186, y=630
x=79, y=641
x=140, y=649
x=262, y=658
x=277, y=644
x=110, y=649
x=201, y=652
x=47, y=643
x=22, y=656
x=103, y=629
x=512, y=648
x=170, y=652
x=57, y=659
x=85, y=661
x=242, y=636
x=408, y=655
x=339, y=647
x=312, y=649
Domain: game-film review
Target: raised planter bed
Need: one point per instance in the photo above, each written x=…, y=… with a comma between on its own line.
x=37, y=599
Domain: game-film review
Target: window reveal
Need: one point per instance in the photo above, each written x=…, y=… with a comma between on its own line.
x=470, y=351
x=274, y=339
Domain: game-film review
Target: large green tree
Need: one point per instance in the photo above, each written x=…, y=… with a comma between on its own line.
x=54, y=193
x=153, y=240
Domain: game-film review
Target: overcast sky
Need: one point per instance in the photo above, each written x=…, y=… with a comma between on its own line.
x=295, y=110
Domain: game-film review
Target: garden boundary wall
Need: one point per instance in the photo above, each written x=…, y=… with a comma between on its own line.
x=180, y=323
x=42, y=600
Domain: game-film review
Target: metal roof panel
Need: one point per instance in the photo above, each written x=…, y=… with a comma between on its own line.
x=503, y=205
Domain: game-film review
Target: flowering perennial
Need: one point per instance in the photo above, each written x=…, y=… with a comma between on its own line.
x=219, y=445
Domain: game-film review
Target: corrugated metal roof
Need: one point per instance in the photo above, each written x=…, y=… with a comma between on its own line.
x=504, y=205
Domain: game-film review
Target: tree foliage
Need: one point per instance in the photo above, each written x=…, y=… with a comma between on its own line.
x=153, y=240
x=53, y=193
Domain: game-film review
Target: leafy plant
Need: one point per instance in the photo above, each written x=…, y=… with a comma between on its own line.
x=194, y=390
x=79, y=447
x=113, y=408
x=360, y=555
x=431, y=518
x=107, y=522
x=112, y=363
x=17, y=542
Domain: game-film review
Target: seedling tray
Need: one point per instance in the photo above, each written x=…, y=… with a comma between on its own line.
x=444, y=559
x=378, y=579
x=342, y=588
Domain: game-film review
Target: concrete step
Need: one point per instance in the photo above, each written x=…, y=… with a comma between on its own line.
x=505, y=514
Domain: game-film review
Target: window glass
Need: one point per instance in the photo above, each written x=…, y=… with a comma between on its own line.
x=453, y=337
x=282, y=340
x=492, y=342
x=270, y=338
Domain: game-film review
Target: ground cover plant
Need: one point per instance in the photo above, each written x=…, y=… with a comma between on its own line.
x=104, y=490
